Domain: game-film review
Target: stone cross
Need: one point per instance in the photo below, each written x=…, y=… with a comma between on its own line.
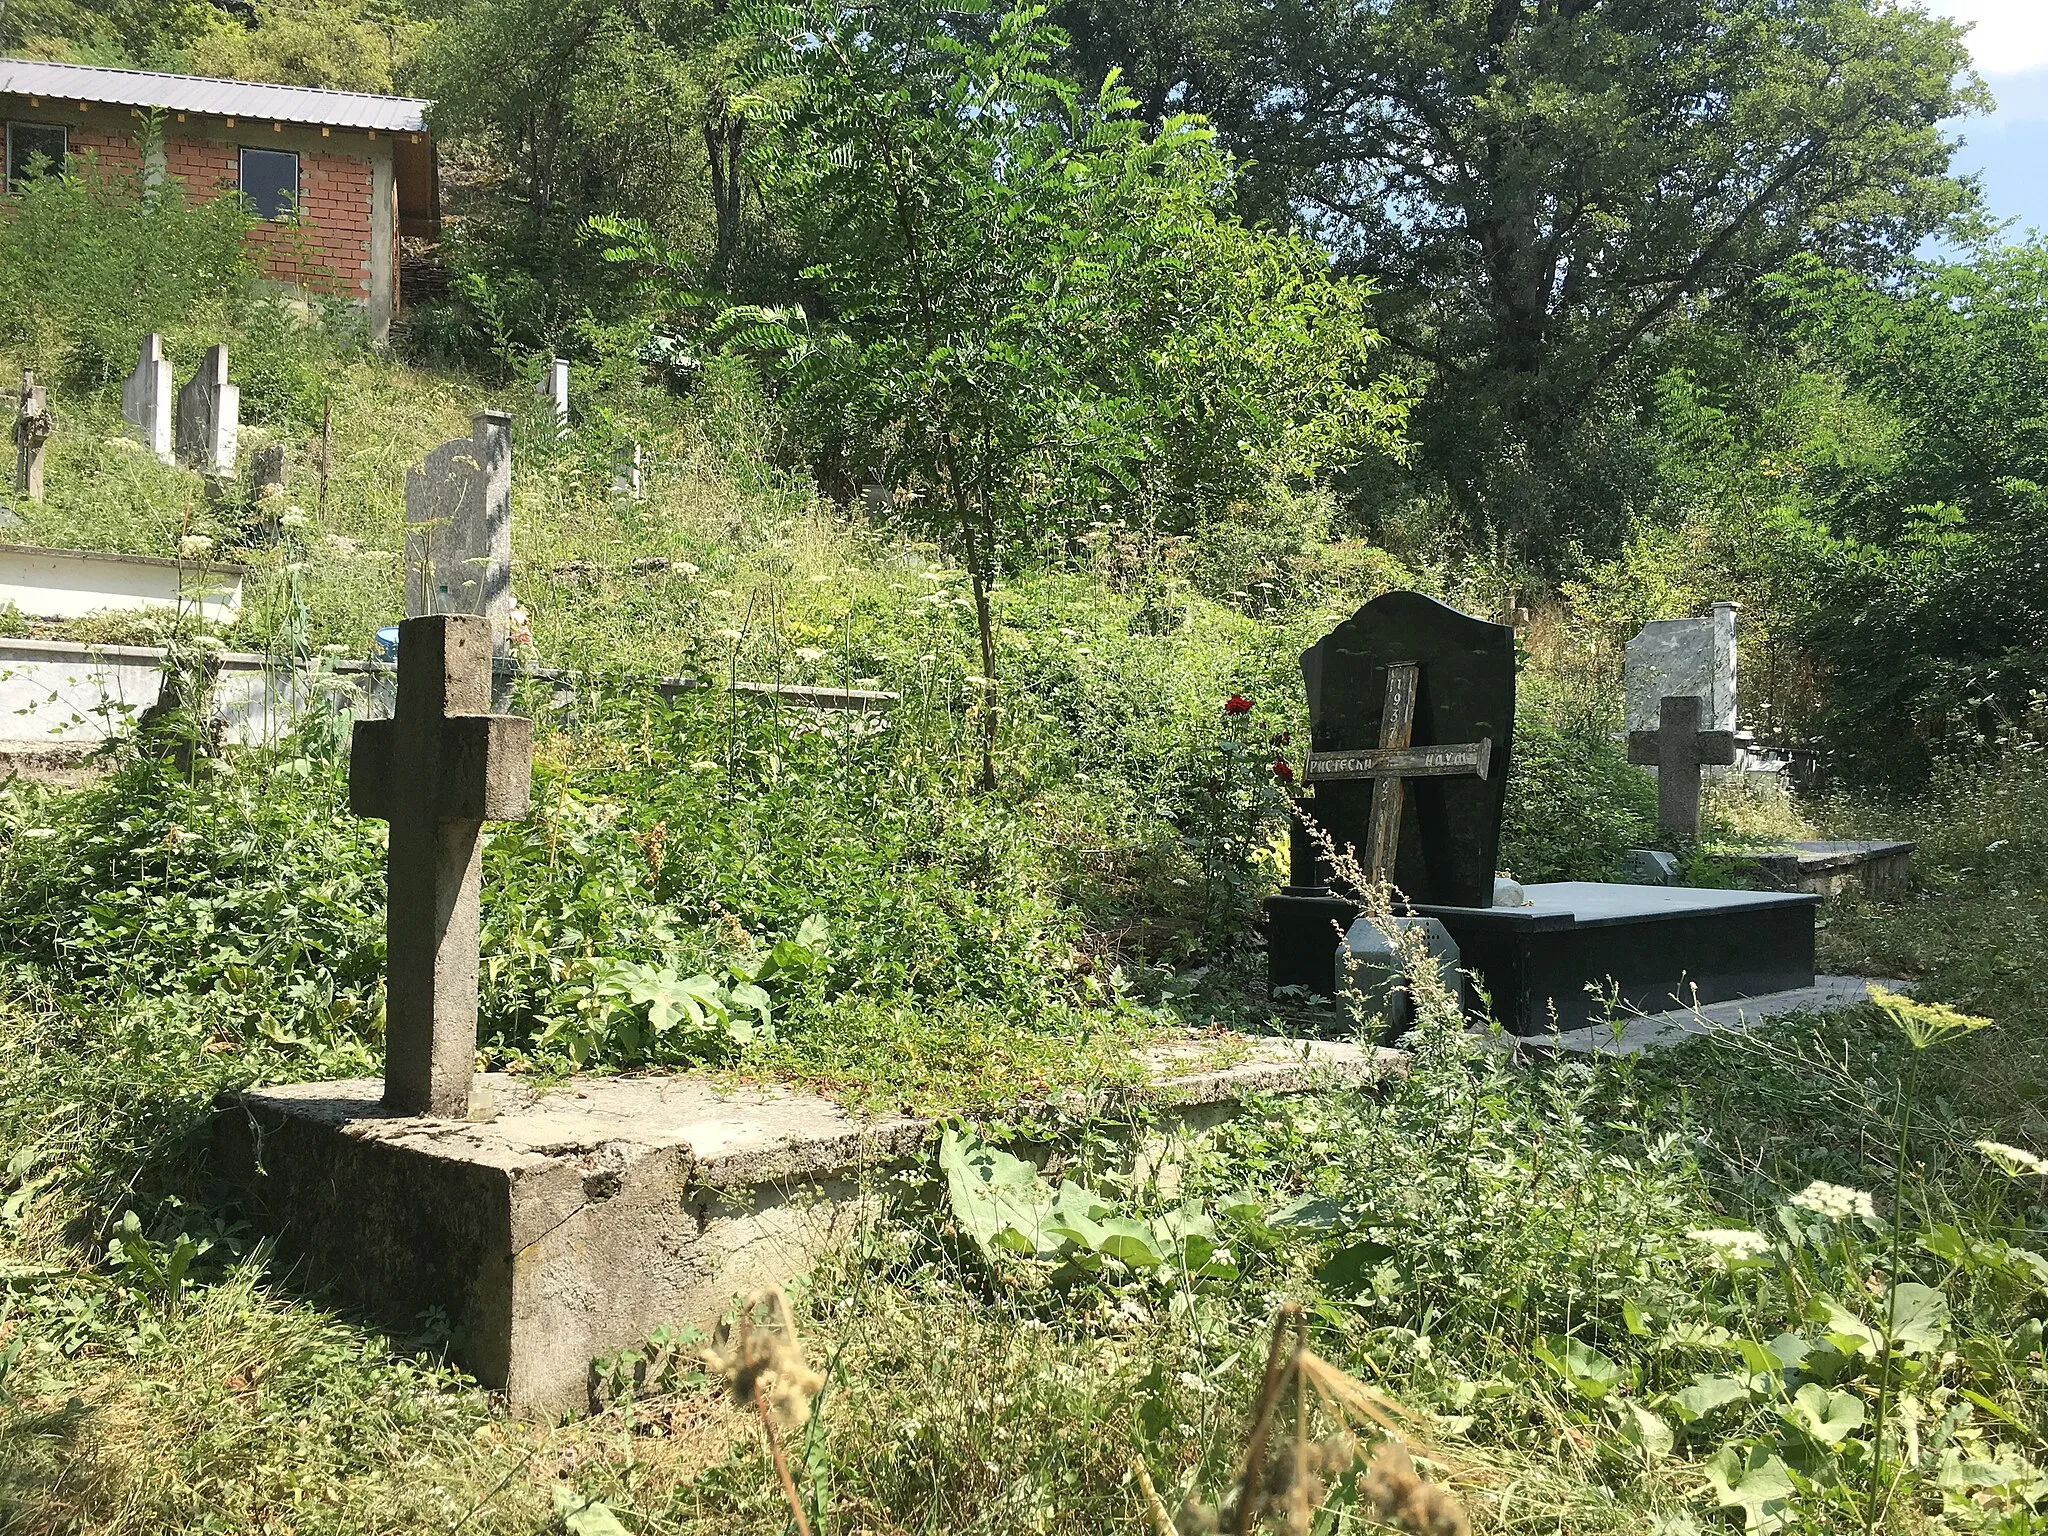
x=1395, y=761
x=146, y=398
x=440, y=768
x=458, y=527
x=32, y=426
x=1678, y=749
x=554, y=388
x=209, y=416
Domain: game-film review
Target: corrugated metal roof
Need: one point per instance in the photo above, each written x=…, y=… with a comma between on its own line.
x=219, y=98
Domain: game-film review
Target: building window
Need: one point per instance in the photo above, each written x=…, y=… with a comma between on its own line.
x=270, y=181
x=34, y=144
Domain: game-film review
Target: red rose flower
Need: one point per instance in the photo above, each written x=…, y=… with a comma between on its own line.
x=1282, y=770
x=1237, y=704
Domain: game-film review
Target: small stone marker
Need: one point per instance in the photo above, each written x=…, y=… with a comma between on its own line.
x=1648, y=866
x=554, y=388
x=146, y=398
x=209, y=416
x=440, y=768
x=626, y=471
x=1370, y=961
x=32, y=426
x=266, y=471
x=458, y=536
x=1678, y=749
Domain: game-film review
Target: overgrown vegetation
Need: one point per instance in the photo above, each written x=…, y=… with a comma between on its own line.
x=1141, y=443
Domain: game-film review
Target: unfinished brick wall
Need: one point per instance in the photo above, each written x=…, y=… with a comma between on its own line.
x=327, y=249
x=111, y=152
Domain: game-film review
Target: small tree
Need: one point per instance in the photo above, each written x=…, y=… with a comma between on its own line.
x=1027, y=301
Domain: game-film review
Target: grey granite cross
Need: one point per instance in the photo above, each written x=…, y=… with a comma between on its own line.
x=1678, y=749
x=440, y=768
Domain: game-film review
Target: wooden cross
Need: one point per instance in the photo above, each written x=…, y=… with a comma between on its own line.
x=1678, y=749
x=1394, y=762
x=437, y=770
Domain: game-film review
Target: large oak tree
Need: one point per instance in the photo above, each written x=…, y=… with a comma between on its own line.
x=1537, y=185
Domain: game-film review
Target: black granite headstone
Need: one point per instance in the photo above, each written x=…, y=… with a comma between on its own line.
x=1464, y=695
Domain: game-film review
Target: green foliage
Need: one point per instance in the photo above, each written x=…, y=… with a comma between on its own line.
x=337, y=45
x=93, y=259
x=589, y=108
x=1031, y=307
x=1574, y=800
x=1005, y=1207
x=1539, y=188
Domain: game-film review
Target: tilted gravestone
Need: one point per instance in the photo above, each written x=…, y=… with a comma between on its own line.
x=554, y=388
x=1678, y=679
x=1411, y=719
x=458, y=534
x=32, y=427
x=146, y=398
x=209, y=416
x=1679, y=658
x=440, y=768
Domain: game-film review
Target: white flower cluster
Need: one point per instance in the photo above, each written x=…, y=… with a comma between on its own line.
x=1735, y=1245
x=193, y=545
x=2017, y=1161
x=1837, y=1202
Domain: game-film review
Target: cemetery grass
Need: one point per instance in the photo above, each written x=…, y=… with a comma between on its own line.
x=1509, y=1250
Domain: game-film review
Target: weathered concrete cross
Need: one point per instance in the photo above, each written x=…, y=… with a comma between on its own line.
x=1394, y=762
x=437, y=770
x=1678, y=749
x=32, y=425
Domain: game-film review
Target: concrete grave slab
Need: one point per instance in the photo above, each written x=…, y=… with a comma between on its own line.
x=572, y=1221
x=1877, y=871
x=1656, y=1031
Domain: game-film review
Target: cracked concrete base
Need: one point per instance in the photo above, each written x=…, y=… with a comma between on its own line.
x=570, y=1222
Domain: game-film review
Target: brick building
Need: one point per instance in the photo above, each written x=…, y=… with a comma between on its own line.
x=335, y=177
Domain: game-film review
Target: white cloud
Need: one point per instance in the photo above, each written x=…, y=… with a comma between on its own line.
x=2010, y=35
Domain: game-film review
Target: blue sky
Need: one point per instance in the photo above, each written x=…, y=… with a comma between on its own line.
x=2010, y=147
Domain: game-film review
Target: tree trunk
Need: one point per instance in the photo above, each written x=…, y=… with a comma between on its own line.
x=722, y=132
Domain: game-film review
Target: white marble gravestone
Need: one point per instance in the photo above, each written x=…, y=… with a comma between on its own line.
x=209, y=416
x=458, y=528
x=626, y=461
x=554, y=388
x=146, y=398
x=1680, y=658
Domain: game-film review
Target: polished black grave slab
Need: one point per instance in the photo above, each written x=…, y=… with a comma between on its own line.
x=1582, y=950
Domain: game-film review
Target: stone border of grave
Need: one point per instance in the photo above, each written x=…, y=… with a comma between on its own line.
x=575, y=1220
x=218, y=601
